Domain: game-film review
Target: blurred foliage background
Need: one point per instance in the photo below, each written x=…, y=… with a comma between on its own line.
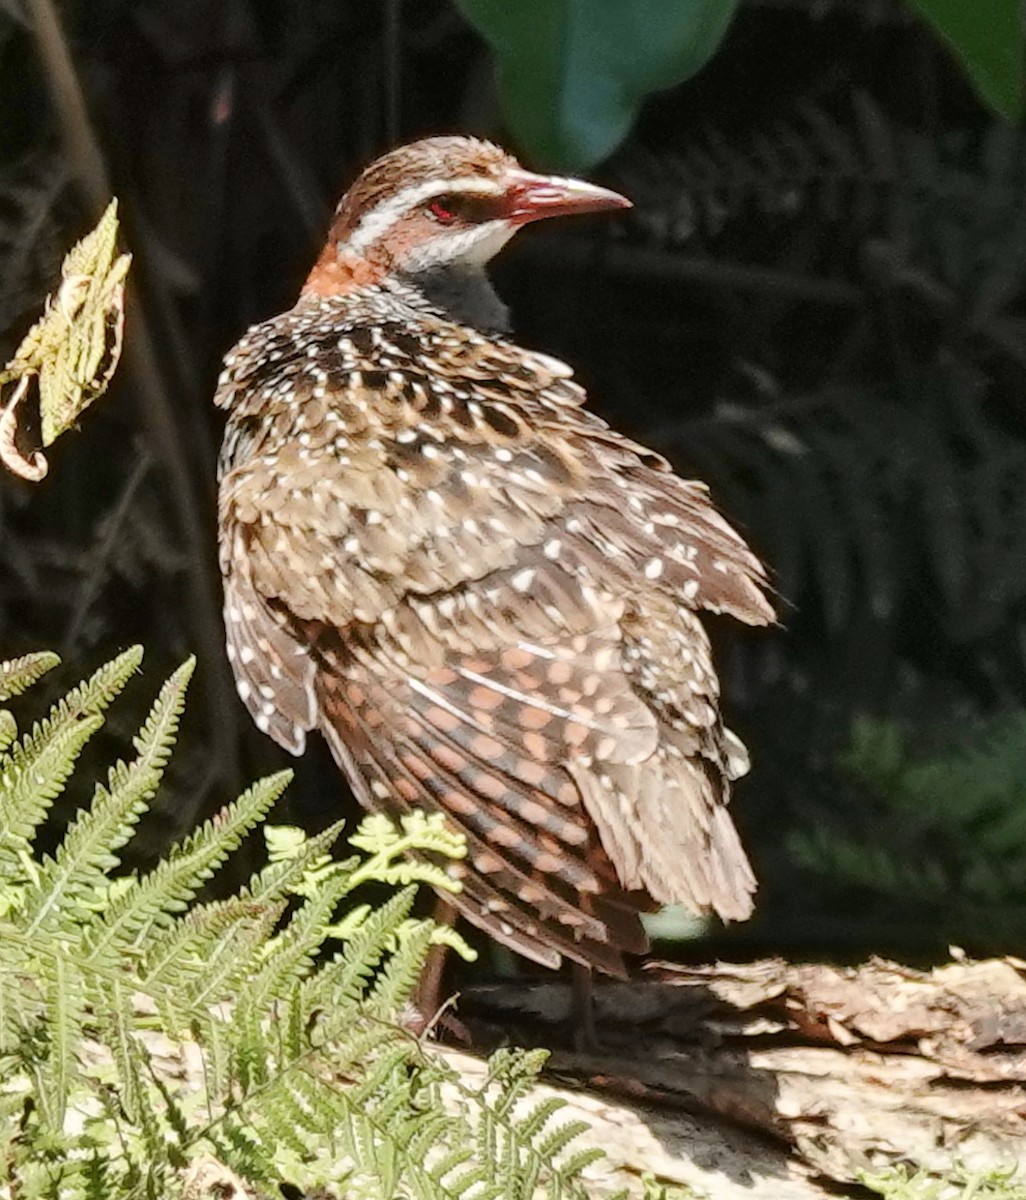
x=817, y=305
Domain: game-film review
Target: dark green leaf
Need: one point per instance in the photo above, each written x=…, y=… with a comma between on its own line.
x=573, y=73
x=987, y=38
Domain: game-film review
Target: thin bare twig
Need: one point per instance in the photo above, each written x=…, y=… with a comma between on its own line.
x=92, y=585
x=391, y=46
x=157, y=413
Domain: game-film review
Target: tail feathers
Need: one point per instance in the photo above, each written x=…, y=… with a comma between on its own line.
x=665, y=826
x=548, y=943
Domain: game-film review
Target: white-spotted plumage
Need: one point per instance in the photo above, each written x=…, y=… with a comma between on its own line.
x=485, y=599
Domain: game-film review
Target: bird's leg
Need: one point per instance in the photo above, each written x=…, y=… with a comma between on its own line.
x=582, y=1009
x=427, y=997
x=428, y=1006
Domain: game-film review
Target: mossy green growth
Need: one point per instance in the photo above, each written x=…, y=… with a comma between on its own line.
x=901, y=1183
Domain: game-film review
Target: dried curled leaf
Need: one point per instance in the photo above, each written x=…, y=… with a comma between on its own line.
x=70, y=353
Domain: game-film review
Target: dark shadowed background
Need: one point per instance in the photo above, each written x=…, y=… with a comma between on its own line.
x=816, y=306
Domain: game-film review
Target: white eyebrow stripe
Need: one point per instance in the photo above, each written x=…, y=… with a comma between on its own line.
x=385, y=215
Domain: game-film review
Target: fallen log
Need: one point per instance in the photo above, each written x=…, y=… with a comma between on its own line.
x=769, y=1081
x=841, y=1071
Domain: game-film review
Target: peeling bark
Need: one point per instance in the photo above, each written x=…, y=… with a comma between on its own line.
x=845, y=1069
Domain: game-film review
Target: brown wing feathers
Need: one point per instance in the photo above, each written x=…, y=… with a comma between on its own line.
x=487, y=602
x=531, y=849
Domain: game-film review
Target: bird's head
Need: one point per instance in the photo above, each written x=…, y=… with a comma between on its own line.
x=439, y=204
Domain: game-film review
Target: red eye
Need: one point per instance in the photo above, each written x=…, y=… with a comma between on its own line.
x=438, y=210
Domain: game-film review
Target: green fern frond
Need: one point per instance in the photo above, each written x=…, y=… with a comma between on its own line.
x=240, y=1145
x=552, y=1143
x=386, y=846
x=126, y=1055
x=18, y=674
x=64, y=1020
x=218, y=971
x=903, y=1183
x=200, y=952
x=290, y=954
x=8, y=729
x=33, y=776
x=396, y=982
x=34, y=770
x=88, y=851
x=96, y=694
x=149, y=902
x=296, y=860
x=446, y=935
x=533, y=1124
x=140, y=1030
x=348, y=976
